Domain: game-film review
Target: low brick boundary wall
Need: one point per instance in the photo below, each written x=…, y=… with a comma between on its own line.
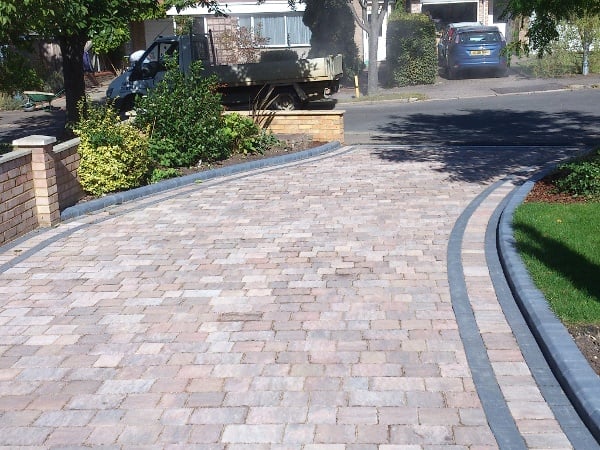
x=322, y=126
x=37, y=181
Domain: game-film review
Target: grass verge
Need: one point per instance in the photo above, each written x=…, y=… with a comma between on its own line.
x=560, y=246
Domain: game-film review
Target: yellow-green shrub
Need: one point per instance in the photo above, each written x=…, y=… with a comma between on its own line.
x=114, y=155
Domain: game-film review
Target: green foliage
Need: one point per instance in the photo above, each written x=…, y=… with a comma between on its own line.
x=5, y=147
x=245, y=135
x=332, y=28
x=114, y=155
x=10, y=102
x=159, y=174
x=581, y=177
x=547, y=15
x=184, y=114
x=557, y=63
x=411, y=53
x=17, y=74
x=242, y=132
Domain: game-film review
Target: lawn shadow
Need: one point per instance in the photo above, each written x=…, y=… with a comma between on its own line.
x=579, y=270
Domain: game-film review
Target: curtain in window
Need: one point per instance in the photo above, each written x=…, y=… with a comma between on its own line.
x=298, y=33
x=272, y=28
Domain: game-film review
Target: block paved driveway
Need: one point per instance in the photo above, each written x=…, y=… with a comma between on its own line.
x=301, y=306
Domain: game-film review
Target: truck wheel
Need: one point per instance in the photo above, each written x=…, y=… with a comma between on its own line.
x=286, y=101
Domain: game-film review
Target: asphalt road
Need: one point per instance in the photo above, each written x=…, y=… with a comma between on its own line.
x=546, y=118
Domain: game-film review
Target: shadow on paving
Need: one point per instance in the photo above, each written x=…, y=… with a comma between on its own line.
x=478, y=145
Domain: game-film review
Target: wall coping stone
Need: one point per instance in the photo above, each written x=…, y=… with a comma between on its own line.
x=35, y=140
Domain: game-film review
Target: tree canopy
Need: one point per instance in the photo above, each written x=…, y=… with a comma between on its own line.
x=74, y=22
x=546, y=15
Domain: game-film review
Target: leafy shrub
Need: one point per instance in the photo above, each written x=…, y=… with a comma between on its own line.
x=581, y=177
x=114, y=155
x=11, y=102
x=243, y=134
x=159, y=174
x=5, y=147
x=17, y=74
x=411, y=54
x=184, y=115
x=559, y=62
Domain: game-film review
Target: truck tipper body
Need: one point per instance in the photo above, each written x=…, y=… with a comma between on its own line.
x=282, y=84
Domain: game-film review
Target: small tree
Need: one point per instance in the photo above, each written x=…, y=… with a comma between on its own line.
x=588, y=29
x=241, y=45
x=546, y=16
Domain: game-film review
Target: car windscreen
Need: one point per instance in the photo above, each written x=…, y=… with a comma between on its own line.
x=479, y=37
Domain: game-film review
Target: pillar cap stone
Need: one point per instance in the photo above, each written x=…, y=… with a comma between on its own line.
x=35, y=140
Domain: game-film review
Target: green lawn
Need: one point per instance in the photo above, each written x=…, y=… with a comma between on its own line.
x=560, y=246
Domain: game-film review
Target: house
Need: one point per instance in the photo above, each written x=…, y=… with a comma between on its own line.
x=285, y=30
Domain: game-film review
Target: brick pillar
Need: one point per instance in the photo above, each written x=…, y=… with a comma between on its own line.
x=44, y=177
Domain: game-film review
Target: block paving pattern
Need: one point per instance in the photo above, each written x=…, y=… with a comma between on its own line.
x=304, y=306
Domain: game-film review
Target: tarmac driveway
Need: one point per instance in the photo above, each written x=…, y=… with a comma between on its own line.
x=302, y=306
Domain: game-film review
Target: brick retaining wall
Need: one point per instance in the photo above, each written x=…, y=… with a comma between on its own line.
x=322, y=126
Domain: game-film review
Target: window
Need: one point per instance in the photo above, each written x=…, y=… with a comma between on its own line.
x=282, y=30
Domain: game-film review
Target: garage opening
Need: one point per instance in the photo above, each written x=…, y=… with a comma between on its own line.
x=444, y=13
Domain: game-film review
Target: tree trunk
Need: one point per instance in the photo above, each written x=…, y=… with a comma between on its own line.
x=71, y=48
x=373, y=70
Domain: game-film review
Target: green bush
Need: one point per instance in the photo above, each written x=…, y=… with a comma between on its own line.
x=411, y=51
x=184, y=115
x=159, y=174
x=556, y=64
x=245, y=135
x=17, y=74
x=581, y=177
x=11, y=102
x=114, y=155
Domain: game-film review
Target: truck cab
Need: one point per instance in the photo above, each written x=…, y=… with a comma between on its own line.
x=149, y=69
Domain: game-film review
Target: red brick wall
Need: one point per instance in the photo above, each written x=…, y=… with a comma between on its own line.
x=17, y=197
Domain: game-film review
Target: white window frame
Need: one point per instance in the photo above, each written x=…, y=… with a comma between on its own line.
x=255, y=17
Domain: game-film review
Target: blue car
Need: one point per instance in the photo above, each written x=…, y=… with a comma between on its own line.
x=476, y=48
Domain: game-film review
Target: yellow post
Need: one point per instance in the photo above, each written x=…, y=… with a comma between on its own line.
x=356, y=90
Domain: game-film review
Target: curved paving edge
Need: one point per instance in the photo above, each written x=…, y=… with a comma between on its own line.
x=494, y=404
x=577, y=378
x=121, y=197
